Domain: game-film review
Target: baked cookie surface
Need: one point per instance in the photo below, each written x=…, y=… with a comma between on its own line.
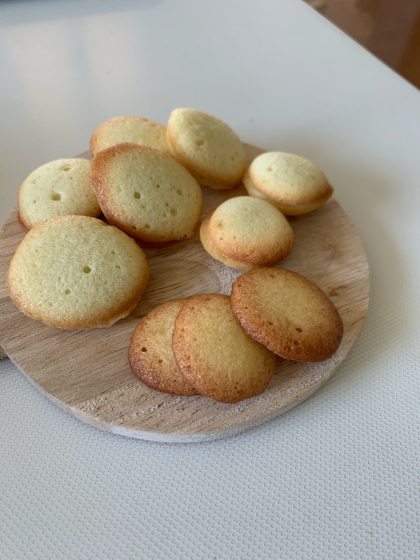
x=58, y=188
x=250, y=230
x=146, y=193
x=76, y=272
x=214, y=252
x=286, y=209
x=287, y=313
x=216, y=355
x=150, y=352
x=207, y=147
x=136, y=130
x=292, y=183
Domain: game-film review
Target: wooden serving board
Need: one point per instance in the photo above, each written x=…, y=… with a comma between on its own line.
x=87, y=372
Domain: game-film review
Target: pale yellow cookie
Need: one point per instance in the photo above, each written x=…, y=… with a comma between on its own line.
x=216, y=355
x=76, y=272
x=146, y=193
x=287, y=210
x=150, y=352
x=58, y=188
x=206, y=146
x=293, y=184
x=287, y=313
x=250, y=230
x=214, y=252
x=136, y=130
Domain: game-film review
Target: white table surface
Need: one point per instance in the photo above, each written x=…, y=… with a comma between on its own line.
x=338, y=476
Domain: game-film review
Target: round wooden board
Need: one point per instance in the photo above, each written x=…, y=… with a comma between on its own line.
x=87, y=372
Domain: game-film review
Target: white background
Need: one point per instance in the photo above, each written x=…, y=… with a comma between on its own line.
x=338, y=476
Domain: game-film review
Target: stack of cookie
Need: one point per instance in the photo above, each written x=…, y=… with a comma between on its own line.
x=197, y=346
x=226, y=347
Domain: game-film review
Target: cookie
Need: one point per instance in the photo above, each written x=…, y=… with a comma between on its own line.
x=250, y=230
x=207, y=147
x=293, y=184
x=76, y=272
x=146, y=193
x=214, y=252
x=216, y=355
x=150, y=352
x=287, y=313
x=287, y=210
x=59, y=188
x=136, y=130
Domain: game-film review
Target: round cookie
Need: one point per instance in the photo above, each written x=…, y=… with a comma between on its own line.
x=150, y=352
x=287, y=313
x=214, y=252
x=146, y=193
x=58, y=188
x=292, y=183
x=76, y=272
x=250, y=230
x=207, y=147
x=136, y=130
x=216, y=355
x=287, y=210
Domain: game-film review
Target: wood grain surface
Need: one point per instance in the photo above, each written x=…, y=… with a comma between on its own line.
x=87, y=372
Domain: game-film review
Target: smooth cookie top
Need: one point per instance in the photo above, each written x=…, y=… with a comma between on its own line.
x=251, y=230
x=58, y=188
x=287, y=178
x=76, y=272
x=287, y=313
x=150, y=352
x=216, y=355
x=207, y=146
x=146, y=193
x=136, y=130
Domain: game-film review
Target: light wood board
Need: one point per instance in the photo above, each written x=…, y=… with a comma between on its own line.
x=87, y=372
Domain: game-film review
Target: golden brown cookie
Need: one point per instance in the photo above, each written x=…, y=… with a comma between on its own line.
x=287, y=313
x=76, y=272
x=293, y=184
x=250, y=230
x=150, y=352
x=216, y=355
x=207, y=147
x=146, y=193
x=136, y=130
x=58, y=188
